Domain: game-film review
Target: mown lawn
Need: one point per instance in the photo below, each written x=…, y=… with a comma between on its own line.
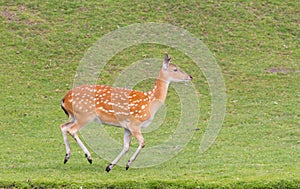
x=256, y=45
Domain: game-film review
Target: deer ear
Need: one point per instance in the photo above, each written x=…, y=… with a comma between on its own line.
x=166, y=62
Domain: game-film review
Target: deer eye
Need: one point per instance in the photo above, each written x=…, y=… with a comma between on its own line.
x=175, y=70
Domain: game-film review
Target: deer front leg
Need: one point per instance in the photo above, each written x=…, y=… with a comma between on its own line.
x=138, y=135
x=127, y=139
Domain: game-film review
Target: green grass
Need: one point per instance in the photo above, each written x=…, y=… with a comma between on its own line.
x=256, y=44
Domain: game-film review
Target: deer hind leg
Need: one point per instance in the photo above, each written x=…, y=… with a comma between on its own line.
x=138, y=135
x=127, y=139
x=72, y=128
x=64, y=130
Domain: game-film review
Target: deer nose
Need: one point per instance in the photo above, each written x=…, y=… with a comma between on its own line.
x=191, y=77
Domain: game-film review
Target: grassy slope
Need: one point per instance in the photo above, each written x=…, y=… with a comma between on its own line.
x=258, y=146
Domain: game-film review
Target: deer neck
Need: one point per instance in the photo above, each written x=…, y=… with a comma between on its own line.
x=160, y=90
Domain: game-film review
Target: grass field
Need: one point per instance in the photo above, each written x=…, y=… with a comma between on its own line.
x=256, y=44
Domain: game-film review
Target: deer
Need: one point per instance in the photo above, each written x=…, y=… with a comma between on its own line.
x=121, y=107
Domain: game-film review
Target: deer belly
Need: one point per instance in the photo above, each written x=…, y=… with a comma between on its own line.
x=147, y=123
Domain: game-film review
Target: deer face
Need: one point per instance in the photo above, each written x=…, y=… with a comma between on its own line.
x=172, y=73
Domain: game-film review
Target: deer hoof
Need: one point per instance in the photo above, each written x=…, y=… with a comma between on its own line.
x=108, y=168
x=66, y=158
x=65, y=161
x=128, y=165
x=89, y=158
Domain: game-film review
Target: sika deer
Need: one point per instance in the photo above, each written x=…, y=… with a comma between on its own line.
x=129, y=109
